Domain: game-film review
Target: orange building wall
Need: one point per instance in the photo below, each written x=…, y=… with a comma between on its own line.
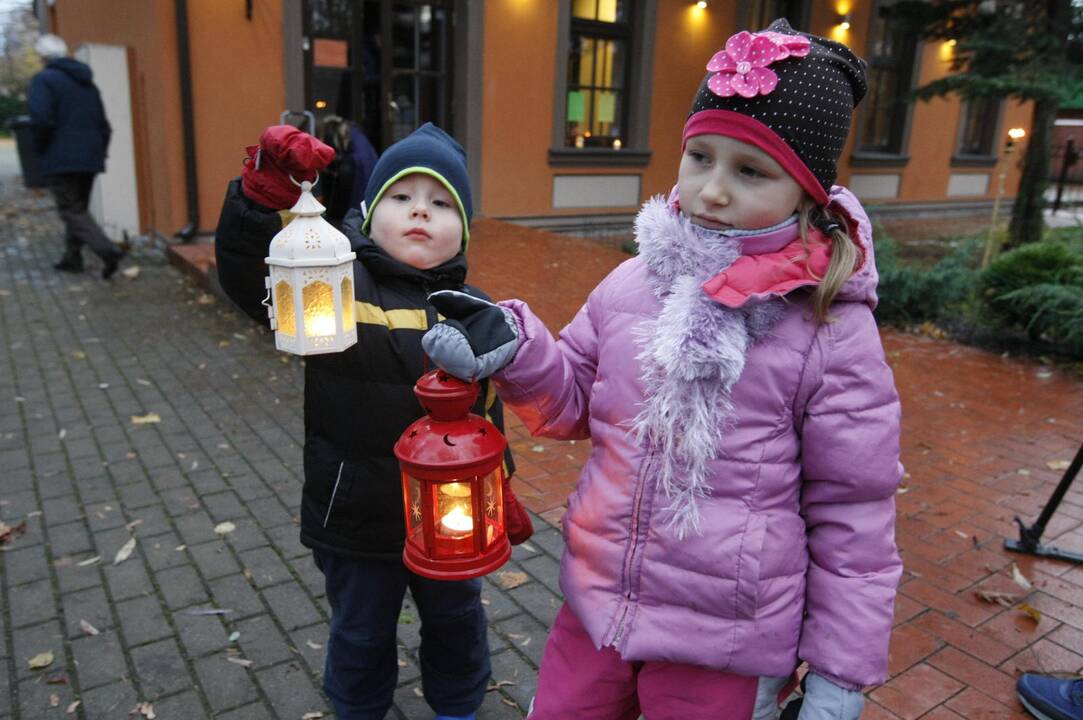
x=146, y=28
x=517, y=101
x=237, y=88
x=685, y=39
x=518, y=97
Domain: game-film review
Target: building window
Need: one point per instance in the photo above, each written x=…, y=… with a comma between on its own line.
x=761, y=13
x=596, y=99
x=978, y=128
x=885, y=114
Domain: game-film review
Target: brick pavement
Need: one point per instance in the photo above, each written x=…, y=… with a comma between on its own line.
x=979, y=431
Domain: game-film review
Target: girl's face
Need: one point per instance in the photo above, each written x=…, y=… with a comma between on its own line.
x=727, y=184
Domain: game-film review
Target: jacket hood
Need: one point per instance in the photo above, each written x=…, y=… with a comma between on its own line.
x=861, y=287
x=448, y=276
x=80, y=72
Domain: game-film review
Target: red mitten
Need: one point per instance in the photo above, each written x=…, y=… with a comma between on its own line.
x=283, y=151
x=518, y=523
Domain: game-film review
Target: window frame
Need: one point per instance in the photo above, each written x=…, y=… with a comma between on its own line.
x=898, y=155
x=637, y=90
x=965, y=159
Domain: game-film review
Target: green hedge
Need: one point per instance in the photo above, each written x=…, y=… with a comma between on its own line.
x=912, y=294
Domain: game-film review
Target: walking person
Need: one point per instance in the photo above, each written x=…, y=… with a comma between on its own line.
x=71, y=135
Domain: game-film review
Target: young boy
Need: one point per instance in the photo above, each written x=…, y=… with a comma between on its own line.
x=409, y=239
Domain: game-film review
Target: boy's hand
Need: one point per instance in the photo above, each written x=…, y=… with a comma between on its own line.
x=476, y=339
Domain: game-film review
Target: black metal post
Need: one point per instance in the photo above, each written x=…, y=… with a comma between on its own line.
x=1070, y=156
x=1030, y=537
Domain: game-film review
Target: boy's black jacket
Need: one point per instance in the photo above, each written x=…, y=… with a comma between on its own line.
x=359, y=401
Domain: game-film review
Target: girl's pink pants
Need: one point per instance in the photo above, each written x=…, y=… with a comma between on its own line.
x=578, y=681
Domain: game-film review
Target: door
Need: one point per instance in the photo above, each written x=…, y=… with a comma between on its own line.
x=384, y=64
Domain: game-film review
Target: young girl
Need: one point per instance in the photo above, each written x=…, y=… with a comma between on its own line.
x=736, y=516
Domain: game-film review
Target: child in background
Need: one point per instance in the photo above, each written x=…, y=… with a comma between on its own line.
x=357, y=403
x=737, y=514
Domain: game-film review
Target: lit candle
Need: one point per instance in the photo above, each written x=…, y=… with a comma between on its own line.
x=457, y=523
x=320, y=325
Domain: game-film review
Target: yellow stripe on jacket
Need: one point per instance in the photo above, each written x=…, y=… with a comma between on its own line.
x=403, y=319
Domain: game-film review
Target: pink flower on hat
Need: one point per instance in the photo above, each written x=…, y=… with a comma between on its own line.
x=741, y=67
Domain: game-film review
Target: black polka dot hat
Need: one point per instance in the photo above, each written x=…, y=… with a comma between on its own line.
x=790, y=94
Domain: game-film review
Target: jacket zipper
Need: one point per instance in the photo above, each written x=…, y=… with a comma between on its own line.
x=633, y=540
x=331, y=502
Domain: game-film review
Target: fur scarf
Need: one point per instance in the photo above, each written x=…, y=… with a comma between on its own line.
x=691, y=354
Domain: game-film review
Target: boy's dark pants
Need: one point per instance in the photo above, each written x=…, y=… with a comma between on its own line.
x=362, y=660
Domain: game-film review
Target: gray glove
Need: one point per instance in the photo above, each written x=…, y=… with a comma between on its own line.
x=824, y=700
x=476, y=339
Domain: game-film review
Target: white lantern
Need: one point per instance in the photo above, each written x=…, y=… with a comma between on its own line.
x=311, y=283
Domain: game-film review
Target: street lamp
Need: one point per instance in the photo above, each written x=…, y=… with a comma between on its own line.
x=311, y=283
x=452, y=464
x=993, y=241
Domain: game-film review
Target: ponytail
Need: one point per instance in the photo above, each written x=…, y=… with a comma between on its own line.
x=844, y=257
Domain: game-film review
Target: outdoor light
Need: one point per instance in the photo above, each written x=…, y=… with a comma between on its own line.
x=1014, y=134
x=844, y=21
x=452, y=465
x=311, y=283
x=702, y=4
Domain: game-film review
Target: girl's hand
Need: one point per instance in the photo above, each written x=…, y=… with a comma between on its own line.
x=476, y=339
x=824, y=700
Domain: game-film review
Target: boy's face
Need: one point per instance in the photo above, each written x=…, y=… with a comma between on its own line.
x=726, y=184
x=417, y=222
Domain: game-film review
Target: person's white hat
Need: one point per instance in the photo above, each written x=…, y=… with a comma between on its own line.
x=51, y=46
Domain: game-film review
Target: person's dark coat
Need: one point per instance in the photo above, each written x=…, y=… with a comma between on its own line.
x=357, y=402
x=71, y=133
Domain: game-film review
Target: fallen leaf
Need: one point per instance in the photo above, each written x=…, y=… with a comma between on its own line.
x=73, y=707
x=224, y=528
x=205, y=299
x=510, y=580
x=961, y=534
x=78, y=354
x=247, y=574
x=141, y=381
x=902, y=490
x=56, y=678
x=62, y=434
x=315, y=645
x=405, y=618
x=1019, y=579
x=417, y=691
x=1058, y=464
x=125, y=551
x=88, y=628
x=498, y=684
x=89, y=561
x=402, y=663
x=509, y=703
x=206, y=611
x=54, y=700
x=7, y=534
x=528, y=547
x=239, y=661
x=538, y=448
x=130, y=272
x=132, y=524
x=315, y=715
x=234, y=636
x=1023, y=471
x=145, y=709
x=145, y=419
x=997, y=598
x=180, y=548
x=41, y=660
x=1030, y=611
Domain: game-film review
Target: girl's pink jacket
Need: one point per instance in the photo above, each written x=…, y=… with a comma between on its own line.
x=797, y=558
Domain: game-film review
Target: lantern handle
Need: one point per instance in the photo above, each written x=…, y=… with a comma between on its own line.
x=312, y=183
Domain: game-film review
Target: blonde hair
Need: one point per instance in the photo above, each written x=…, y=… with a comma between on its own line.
x=844, y=256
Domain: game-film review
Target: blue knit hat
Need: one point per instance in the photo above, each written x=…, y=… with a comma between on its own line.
x=430, y=151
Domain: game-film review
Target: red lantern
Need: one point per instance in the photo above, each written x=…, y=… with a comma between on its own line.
x=452, y=484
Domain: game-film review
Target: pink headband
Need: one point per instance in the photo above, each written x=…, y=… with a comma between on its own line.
x=749, y=130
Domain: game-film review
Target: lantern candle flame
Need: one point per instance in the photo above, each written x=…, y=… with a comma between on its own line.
x=457, y=523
